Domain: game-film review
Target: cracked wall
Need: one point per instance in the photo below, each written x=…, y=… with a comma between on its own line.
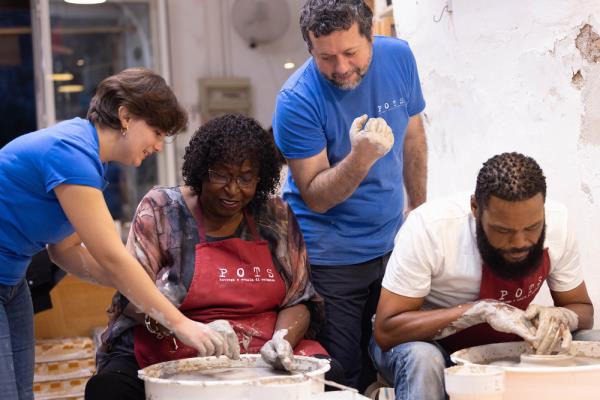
x=588, y=44
x=514, y=76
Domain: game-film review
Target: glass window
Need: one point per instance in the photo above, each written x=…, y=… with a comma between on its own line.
x=17, y=83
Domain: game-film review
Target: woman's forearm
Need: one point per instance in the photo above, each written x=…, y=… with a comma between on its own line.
x=296, y=320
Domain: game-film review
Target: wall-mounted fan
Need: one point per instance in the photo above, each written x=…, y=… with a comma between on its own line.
x=260, y=21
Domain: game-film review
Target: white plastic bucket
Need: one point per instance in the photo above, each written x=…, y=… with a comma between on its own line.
x=297, y=386
x=539, y=382
x=474, y=382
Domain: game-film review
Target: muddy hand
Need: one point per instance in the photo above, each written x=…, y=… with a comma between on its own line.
x=232, y=345
x=372, y=140
x=278, y=352
x=503, y=318
x=554, y=324
x=207, y=341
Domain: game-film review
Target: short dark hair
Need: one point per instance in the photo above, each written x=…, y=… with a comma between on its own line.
x=510, y=177
x=232, y=138
x=322, y=17
x=145, y=94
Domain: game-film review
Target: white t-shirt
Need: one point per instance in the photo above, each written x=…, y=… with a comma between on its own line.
x=436, y=256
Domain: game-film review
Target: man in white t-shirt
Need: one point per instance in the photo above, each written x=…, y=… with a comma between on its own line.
x=464, y=271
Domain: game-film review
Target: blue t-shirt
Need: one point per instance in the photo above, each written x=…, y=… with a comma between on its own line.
x=31, y=166
x=312, y=114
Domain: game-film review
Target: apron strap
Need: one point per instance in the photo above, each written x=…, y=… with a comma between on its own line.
x=247, y=216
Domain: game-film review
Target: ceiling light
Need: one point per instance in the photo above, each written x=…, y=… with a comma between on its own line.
x=85, y=1
x=80, y=62
x=289, y=65
x=70, y=88
x=62, y=77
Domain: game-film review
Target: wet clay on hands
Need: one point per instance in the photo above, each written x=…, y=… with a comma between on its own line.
x=500, y=316
x=278, y=352
x=373, y=140
x=554, y=326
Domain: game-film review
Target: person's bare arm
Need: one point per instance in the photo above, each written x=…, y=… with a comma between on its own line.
x=74, y=258
x=400, y=320
x=578, y=301
x=415, y=163
x=323, y=186
x=296, y=320
x=86, y=210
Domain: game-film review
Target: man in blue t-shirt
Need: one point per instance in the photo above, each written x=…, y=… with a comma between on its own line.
x=348, y=122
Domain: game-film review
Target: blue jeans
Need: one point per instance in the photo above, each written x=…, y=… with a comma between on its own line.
x=587, y=335
x=17, y=349
x=416, y=369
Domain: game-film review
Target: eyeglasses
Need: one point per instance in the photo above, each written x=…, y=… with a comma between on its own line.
x=244, y=181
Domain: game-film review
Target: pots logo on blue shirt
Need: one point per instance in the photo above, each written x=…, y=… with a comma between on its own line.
x=391, y=105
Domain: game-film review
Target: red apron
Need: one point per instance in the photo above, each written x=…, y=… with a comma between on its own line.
x=235, y=280
x=518, y=293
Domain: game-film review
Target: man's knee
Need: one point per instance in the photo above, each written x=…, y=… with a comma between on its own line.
x=417, y=360
x=421, y=358
x=587, y=335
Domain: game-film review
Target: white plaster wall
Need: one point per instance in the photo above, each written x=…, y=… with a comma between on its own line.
x=497, y=76
x=205, y=44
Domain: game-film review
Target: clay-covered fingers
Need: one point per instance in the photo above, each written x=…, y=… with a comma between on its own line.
x=201, y=337
x=285, y=354
x=506, y=318
x=567, y=338
x=547, y=337
x=377, y=125
x=278, y=352
x=357, y=124
x=551, y=335
x=380, y=133
x=554, y=324
x=525, y=329
x=533, y=311
x=214, y=343
x=231, y=345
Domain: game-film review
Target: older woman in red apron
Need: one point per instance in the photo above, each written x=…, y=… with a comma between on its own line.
x=225, y=252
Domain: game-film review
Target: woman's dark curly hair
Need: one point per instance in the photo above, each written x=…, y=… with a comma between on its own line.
x=232, y=139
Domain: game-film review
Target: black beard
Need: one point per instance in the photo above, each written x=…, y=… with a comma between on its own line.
x=502, y=268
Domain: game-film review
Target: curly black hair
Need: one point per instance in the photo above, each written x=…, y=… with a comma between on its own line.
x=322, y=17
x=232, y=139
x=510, y=177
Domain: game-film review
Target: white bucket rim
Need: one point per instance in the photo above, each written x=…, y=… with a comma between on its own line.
x=148, y=374
x=460, y=358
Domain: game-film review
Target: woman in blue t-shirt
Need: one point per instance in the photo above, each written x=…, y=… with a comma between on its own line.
x=51, y=185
